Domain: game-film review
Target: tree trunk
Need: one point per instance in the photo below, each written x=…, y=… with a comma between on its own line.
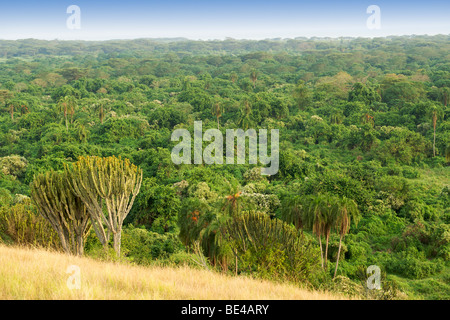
x=337, y=259
x=236, y=261
x=63, y=241
x=80, y=245
x=100, y=232
x=434, y=142
x=326, y=249
x=321, y=251
x=116, y=239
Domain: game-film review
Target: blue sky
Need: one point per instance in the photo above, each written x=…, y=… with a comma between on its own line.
x=201, y=19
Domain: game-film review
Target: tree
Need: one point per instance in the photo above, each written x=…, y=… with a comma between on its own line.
x=360, y=92
x=447, y=153
x=102, y=107
x=316, y=213
x=11, y=111
x=233, y=76
x=346, y=210
x=217, y=110
x=63, y=209
x=435, y=112
x=270, y=247
x=5, y=95
x=82, y=131
x=232, y=202
x=109, y=184
x=15, y=104
x=245, y=118
x=368, y=119
x=336, y=116
x=254, y=77
x=444, y=95
x=302, y=95
x=313, y=218
x=67, y=106
x=157, y=205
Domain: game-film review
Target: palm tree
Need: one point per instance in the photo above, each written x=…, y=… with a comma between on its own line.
x=336, y=116
x=317, y=213
x=445, y=94
x=322, y=213
x=81, y=131
x=246, y=111
x=367, y=118
x=447, y=153
x=233, y=77
x=217, y=110
x=213, y=241
x=313, y=218
x=232, y=202
x=436, y=113
x=11, y=111
x=346, y=211
x=67, y=105
x=101, y=106
x=254, y=77
x=14, y=105
x=329, y=216
x=292, y=211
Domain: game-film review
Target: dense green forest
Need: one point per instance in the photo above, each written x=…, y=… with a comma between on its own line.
x=364, y=155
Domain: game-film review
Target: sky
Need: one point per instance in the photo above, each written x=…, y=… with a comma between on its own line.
x=208, y=20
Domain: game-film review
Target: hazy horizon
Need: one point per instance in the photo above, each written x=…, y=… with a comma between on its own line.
x=213, y=20
x=228, y=38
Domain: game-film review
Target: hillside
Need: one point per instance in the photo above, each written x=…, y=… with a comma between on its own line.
x=40, y=274
x=116, y=138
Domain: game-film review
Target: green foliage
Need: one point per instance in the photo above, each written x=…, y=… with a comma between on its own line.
x=13, y=165
x=144, y=247
x=20, y=224
x=355, y=123
x=413, y=264
x=62, y=208
x=271, y=249
x=156, y=206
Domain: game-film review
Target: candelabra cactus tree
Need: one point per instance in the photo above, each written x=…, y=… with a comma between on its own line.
x=63, y=209
x=108, y=188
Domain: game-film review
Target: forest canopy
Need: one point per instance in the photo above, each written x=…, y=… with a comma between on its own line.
x=364, y=153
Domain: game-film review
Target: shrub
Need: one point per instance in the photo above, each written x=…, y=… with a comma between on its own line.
x=413, y=264
x=144, y=247
x=271, y=249
x=13, y=165
x=410, y=173
x=20, y=224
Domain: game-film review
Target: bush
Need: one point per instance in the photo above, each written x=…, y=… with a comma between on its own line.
x=13, y=165
x=271, y=249
x=410, y=173
x=144, y=247
x=20, y=224
x=413, y=264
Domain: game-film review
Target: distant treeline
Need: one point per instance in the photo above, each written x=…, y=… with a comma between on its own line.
x=34, y=47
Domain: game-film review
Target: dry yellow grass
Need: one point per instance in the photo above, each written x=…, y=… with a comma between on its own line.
x=39, y=274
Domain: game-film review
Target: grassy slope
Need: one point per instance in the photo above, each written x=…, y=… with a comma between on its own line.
x=40, y=274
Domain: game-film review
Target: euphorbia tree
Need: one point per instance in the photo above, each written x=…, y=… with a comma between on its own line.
x=106, y=183
x=63, y=209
